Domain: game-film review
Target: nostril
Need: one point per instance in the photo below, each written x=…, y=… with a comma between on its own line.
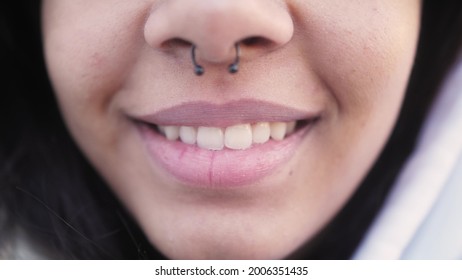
x=175, y=43
x=256, y=41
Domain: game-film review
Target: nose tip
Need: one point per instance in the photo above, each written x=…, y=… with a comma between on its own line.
x=214, y=27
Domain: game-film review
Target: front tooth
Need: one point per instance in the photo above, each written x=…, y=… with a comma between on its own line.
x=210, y=138
x=291, y=127
x=278, y=130
x=188, y=135
x=171, y=132
x=261, y=132
x=238, y=137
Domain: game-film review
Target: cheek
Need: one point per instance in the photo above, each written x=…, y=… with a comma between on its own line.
x=364, y=65
x=362, y=51
x=89, y=50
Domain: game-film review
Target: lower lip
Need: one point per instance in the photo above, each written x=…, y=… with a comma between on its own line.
x=227, y=168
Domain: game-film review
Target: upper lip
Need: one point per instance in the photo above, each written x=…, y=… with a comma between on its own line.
x=242, y=111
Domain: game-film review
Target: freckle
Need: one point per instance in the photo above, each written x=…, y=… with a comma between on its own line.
x=291, y=173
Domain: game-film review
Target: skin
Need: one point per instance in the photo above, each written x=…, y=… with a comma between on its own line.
x=110, y=60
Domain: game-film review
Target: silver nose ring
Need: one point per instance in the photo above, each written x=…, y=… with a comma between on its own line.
x=233, y=68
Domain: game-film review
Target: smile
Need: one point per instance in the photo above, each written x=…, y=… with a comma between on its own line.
x=221, y=152
x=236, y=137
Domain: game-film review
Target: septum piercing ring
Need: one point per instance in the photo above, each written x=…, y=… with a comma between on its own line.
x=198, y=69
x=233, y=68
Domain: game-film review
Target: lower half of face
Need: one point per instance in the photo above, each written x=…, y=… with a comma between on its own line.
x=246, y=165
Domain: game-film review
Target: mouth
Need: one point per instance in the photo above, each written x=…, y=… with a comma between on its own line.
x=209, y=146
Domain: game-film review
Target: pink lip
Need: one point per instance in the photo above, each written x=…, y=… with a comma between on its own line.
x=227, y=168
x=223, y=115
x=197, y=167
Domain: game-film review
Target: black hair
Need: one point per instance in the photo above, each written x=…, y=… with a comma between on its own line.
x=50, y=190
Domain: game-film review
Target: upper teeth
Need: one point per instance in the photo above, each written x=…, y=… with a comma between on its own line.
x=236, y=137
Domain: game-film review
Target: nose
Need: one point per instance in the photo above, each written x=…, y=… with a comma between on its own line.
x=214, y=27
